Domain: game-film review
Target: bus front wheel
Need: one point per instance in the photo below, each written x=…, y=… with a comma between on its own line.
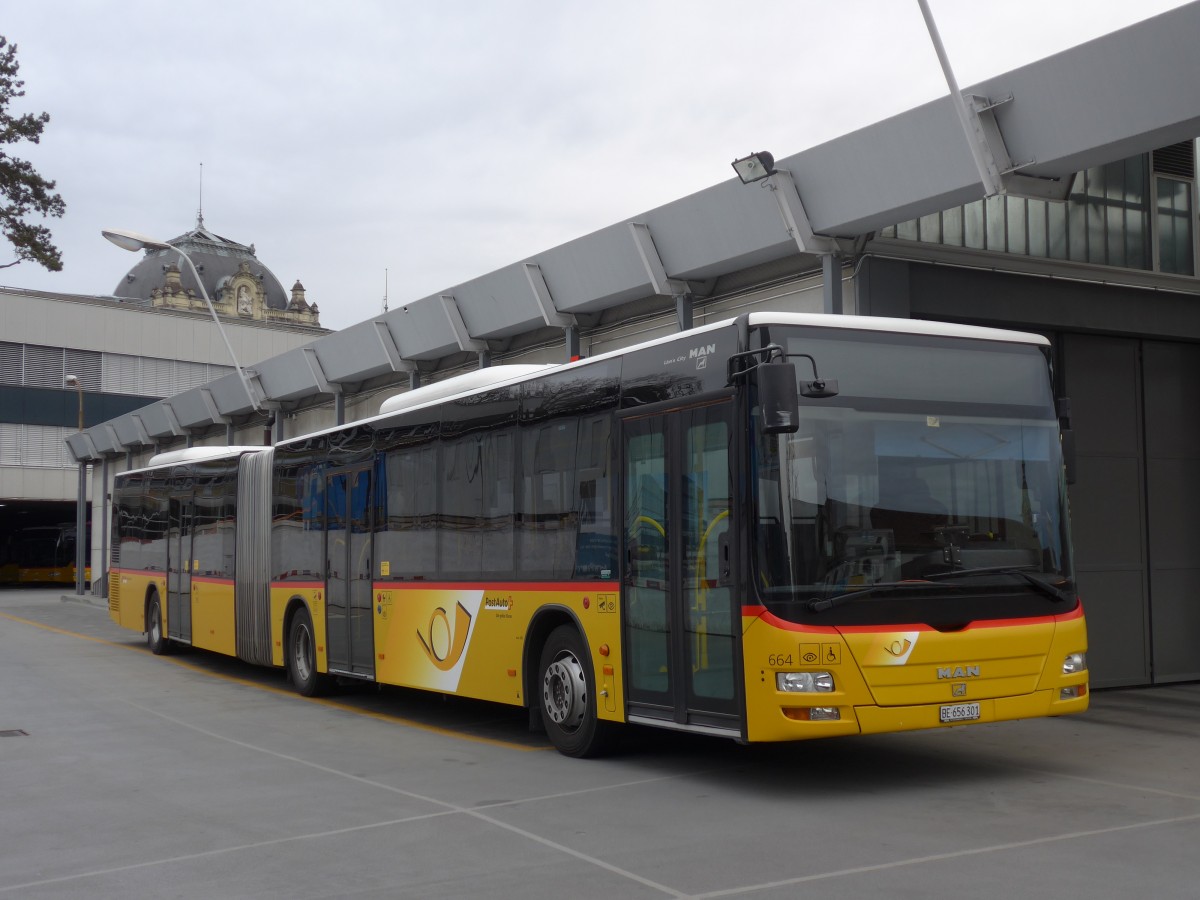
x=302, y=656
x=156, y=639
x=568, y=697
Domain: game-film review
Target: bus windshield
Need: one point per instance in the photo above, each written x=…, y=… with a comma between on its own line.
x=928, y=489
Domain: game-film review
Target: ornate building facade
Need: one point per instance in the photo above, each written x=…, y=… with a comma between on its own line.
x=238, y=284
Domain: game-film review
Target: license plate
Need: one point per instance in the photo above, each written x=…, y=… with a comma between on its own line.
x=959, y=712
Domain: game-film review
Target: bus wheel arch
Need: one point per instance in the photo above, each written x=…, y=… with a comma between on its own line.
x=156, y=637
x=564, y=691
x=300, y=650
x=544, y=622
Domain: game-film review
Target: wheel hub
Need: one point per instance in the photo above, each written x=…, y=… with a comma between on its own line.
x=564, y=692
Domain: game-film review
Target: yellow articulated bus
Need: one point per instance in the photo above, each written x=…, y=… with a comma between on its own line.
x=41, y=554
x=772, y=528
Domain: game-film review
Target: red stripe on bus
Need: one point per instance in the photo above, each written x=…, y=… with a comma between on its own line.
x=527, y=586
x=761, y=612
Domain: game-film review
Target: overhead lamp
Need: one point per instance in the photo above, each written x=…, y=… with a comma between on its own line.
x=134, y=241
x=754, y=167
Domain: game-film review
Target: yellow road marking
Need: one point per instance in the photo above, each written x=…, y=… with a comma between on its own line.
x=283, y=692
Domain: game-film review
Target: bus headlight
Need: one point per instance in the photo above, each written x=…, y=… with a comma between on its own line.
x=1075, y=663
x=804, y=682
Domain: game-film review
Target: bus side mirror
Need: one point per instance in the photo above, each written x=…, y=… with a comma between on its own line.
x=1067, y=433
x=1068, y=451
x=778, y=398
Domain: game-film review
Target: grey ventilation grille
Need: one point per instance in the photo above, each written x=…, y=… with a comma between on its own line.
x=1177, y=159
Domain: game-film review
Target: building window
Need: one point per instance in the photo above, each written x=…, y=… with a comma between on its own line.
x=1174, y=225
x=1174, y=169
x=1106, y=220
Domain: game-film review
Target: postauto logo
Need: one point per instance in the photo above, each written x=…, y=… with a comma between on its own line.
x=443, y=644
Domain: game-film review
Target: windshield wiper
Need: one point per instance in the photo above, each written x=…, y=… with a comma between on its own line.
x=1056, y=594
x=821, y=604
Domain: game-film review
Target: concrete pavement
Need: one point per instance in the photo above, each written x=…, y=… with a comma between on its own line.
x=128, y=775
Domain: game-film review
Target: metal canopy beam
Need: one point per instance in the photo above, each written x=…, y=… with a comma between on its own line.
x=105, y=440
x=663, y=284
x=454, y=316
x=160, y=420
x=323, y=384
x=173, y=420
x=541, y=294
x=791, y=208
x=210, y=404
x=82, y=447
x=997, y=172
x=550, y=314
x=391, y=351
x=132, y=431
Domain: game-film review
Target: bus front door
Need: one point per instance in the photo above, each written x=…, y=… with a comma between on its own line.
x=180, y=515
x=681, y=659
x=349, y=625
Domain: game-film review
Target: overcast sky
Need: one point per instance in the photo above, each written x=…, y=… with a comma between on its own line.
x=440, y=142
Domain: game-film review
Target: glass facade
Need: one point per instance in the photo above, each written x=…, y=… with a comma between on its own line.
x=1108, y=219
x=1174, y=224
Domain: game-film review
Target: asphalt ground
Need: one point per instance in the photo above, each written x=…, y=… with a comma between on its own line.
x=128, y=775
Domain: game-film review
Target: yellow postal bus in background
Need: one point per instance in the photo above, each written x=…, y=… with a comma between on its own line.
x=772, y=528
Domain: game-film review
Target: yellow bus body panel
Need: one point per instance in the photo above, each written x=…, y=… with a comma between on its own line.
x=312, y=595
x=214, y=625
x=127, y=593
x=898, y=678
x=470, y=640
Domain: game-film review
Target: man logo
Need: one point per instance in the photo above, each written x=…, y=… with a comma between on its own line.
x=958, y=672
x=444, y=646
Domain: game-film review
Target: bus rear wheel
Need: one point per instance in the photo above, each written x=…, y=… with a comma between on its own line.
x=156, y=639
x=301, y=657
x=568, y=697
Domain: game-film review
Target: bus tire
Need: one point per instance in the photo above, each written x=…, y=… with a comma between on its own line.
x=156, y=638
x=301, y=657
x=567, y=691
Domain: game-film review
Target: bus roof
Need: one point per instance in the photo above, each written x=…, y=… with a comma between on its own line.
x=897, y=326
x=468, y=381
x=473, y=381
x=197, y=454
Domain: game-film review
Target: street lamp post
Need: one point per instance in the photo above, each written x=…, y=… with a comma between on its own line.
x=132, y=241
x=81, y=503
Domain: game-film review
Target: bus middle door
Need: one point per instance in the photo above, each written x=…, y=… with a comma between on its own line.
x=180, y=521
x=680, y=629
x=349, y=623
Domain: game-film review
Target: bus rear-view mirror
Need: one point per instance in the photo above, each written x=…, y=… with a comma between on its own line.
x=778, y=398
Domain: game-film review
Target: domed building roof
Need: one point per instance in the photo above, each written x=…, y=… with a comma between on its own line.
x=216, y=258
